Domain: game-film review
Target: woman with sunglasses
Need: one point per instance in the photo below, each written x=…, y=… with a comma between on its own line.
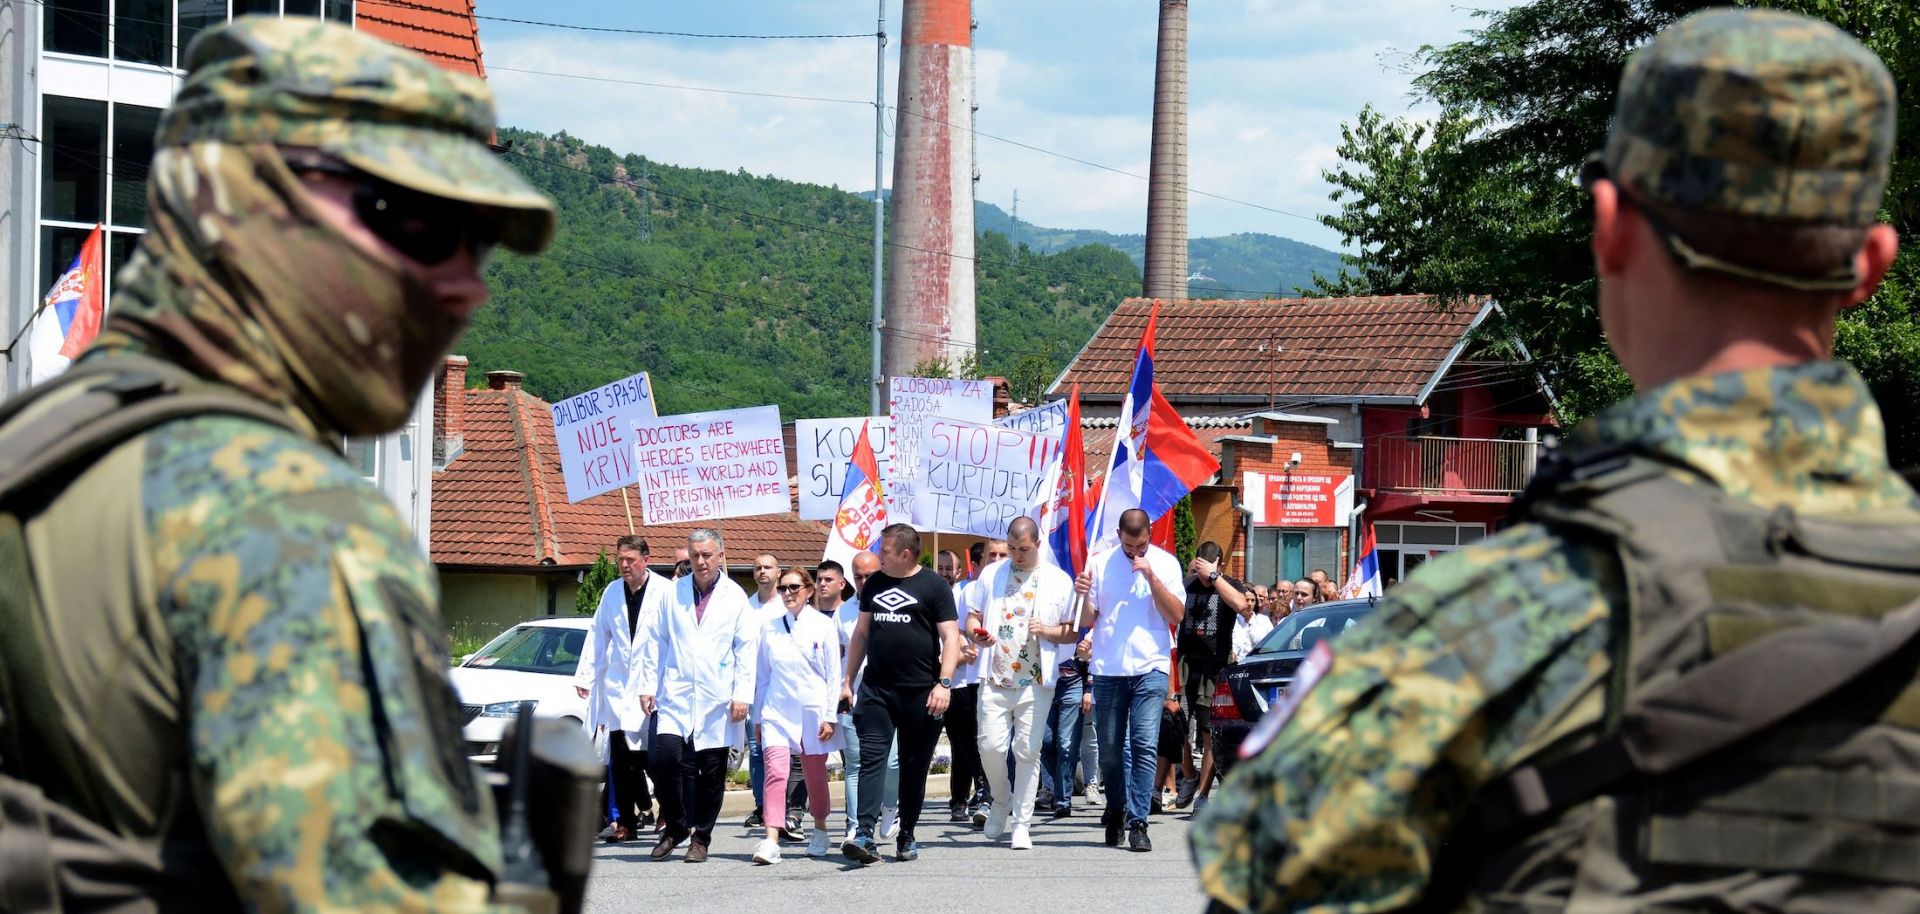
x=796, y=697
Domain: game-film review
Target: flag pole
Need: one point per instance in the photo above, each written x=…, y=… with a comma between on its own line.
x=627, y=505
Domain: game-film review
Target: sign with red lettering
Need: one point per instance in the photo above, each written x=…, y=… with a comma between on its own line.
x=1297, y=499
x=592, y=431
x=706, y=466
x=976, y=478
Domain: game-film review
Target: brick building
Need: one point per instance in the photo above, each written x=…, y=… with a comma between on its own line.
x=1326, y=414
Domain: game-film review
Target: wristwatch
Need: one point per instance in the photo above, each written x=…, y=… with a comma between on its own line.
x=1213, y=577
x=946, y=683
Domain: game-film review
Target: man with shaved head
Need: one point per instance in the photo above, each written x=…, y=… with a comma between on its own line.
x=1020, y=614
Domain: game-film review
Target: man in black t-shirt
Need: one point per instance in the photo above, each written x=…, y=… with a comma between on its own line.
x=1206, y=643
x=909, y=637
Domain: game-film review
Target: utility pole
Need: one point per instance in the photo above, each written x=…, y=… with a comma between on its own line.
x=879, y=205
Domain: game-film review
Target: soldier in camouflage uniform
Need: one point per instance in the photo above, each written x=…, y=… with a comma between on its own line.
x=1513, y=728
x=220, y=647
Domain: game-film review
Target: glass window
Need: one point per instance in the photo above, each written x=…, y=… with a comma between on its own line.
x=1301, y=630
x=246, y=7
x=58, y=247
x=196, y=16
x=532, y=649
x=364, y=455
x=143, y=31
x=120, y=247
x=1427, y=534
x=1386, y=533
x=76, y=27
x=1323, y=552
x=133, y=130
x=303, y=7
x=1389, y=567
x=73, y=170
x=1471, y=534
x=340, y=11
x=1263, y=549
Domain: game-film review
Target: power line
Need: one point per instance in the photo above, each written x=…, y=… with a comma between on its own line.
x=686, y=88
x=621, y=31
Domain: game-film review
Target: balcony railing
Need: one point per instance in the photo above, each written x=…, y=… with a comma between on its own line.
x=1467, y=466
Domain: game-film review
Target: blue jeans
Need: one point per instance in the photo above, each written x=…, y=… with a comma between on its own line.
x=1061, y=749
x=756, y=766
x=850, y=769
x=1126, y=714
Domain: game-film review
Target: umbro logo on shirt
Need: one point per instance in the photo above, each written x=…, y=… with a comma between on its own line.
x=894, y=601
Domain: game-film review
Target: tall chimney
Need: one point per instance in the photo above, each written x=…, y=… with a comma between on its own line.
x=929, y=307
x=1166, y=261
x=450, y=410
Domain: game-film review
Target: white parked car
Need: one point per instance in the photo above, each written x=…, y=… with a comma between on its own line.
x=530, y=663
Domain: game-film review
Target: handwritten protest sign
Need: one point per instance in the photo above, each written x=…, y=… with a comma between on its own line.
x=704, y=466
x=591, y=429
x=977, y=478
x=911, y=404
x=1049, y=421
x=821, y=449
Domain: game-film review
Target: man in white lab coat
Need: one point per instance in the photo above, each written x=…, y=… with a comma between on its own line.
x=608, y=676
x=697, y=668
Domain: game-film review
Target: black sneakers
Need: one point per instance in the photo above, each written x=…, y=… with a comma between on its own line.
x=1137, y=839
x=1114, y=822
x=906, y=850
x=860, y=850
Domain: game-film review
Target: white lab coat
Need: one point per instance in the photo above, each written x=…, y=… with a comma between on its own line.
x=797, y=682
x=696, y=670
x=610, y=660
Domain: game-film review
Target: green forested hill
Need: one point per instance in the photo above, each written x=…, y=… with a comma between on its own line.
x=737, y=290
x=1226, y=266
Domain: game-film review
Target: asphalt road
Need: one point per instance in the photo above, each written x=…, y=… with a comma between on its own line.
x=958, y=871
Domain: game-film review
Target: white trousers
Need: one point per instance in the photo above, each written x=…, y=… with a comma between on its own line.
x=1013, y=719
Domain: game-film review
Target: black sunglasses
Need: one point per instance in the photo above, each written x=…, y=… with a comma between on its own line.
x=791, y=588
x=427, y=228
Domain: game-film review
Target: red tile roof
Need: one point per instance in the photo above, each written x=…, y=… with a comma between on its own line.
x=1331, y=348
x=443, y=30
x=502, y=502
x=1096, y=434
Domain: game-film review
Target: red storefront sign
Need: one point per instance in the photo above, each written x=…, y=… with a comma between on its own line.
x=1299, y=499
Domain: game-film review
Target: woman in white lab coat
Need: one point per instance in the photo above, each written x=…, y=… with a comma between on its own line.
x=796, y=697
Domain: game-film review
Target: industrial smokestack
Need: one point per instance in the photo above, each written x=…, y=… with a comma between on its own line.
x=1166, y=261
x=929, y=308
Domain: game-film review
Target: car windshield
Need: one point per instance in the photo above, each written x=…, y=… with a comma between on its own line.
x=1302, y=630
x=532, y=649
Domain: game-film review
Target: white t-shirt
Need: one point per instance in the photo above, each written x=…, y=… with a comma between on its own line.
x=846, y=617
x=1130, y=637
x=965, y=594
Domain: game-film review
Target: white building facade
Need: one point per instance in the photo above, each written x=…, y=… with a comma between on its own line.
x=82, y=85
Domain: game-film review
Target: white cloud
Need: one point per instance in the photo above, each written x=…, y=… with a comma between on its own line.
x=1270, y=82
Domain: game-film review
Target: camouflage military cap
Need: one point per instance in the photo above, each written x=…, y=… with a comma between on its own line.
x=1755, y=114
x=305, y=82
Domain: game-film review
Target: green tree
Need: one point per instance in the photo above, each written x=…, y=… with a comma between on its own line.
x=1185, y=544
x=1483, y=201
x=601, y=574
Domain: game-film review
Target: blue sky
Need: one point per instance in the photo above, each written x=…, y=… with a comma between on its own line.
x=1270, y=83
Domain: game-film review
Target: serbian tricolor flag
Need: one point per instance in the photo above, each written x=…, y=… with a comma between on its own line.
x=1364, y=579
x=863, y=507
x=1063, y=517
x=70, y=316
x=1157, y=459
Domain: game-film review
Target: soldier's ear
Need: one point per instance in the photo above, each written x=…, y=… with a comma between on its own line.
x=1872, y=262
x=1613, y=235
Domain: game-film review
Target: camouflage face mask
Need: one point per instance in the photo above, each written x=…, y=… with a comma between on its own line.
x=242, y=279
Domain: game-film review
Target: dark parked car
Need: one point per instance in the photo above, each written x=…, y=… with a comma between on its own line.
x=1260, y=680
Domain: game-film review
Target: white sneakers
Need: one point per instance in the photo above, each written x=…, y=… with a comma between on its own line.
x=889, y=823
x=1022, y=839
x=768, y=853
x=817, y=845
x=996, y=823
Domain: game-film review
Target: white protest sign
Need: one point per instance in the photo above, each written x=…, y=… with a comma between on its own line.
x=911, y=404
x=977, y=478
x=704, y=466
x=821, y=449
x=1049, y=421
x=591, y=429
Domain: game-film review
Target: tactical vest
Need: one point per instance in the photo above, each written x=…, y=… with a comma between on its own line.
x=66, y=842
x=1761, y=741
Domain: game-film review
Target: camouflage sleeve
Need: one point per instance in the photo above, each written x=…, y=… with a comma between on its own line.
x=324, y=757
x=1346, y=810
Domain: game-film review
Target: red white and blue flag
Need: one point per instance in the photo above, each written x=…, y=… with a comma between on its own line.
x=863, y=507
x=1364, y=579
x=71, y=315
x=1063, y=517
x=1157, y=459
